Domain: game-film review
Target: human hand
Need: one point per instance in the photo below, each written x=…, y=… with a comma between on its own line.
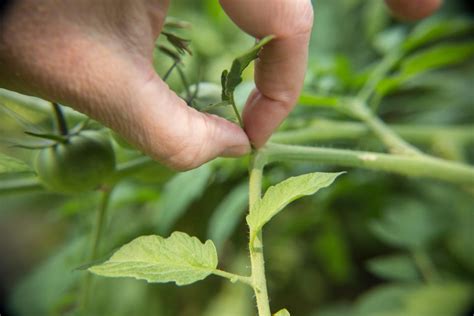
x=96, y=56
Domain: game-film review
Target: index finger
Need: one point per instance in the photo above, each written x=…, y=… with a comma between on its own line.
x=281, y=67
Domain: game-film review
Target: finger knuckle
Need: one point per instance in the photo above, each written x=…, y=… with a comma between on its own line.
x=299, y=17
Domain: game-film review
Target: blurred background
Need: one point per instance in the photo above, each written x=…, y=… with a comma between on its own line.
x=371, y=244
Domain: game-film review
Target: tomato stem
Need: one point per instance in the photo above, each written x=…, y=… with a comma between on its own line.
x=60, y=120
x=100, y=223
x=257, y=259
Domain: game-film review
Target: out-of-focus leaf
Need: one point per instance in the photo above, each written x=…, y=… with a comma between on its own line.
x=440, y=299
x=383, y=301
x=460, y=240
x=450, y=299
x=375, y=18
x=389, y=40
x=436, y=57
x=228, y=214
x=179, y=193
x=9, y=164
x=42, y=290
x=179, y=258
x=419, y=64
x=408, y=225
x=432, y=30
x=397, y=268
x=282, y=194
x=283, y=312
x=332, y=250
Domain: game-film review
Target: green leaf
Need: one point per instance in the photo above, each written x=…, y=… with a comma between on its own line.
x=180, y=44
x=231, y=79
x=387, y=41
x=407, y=225
x=179, y=193
x=383, y=301
x=397, y=268
x=228, y=214
x=9, y=164
x=440, y=299
x=437, y=57
x=432, y=30
x=179, y=258
x=282, y=194
x=283, y=312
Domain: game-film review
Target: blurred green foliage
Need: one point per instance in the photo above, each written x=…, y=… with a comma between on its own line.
x=372, y=244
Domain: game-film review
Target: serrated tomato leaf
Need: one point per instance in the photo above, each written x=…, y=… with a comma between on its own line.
x=232, y=78
x=179, y=258
x=282, y=194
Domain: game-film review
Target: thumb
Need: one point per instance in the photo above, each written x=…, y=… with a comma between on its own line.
x=165, y=127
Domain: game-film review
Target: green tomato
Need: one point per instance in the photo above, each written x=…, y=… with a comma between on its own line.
x=79, y=165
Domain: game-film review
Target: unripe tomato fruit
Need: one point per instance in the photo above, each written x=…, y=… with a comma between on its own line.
x=79, y=165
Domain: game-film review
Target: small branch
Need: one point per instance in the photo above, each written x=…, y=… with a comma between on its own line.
x=100, y=223
x=256, y=242
x=20, y=185
x=185, y=82
x=414, y=166
x=170, y=70
x=326, y=130
x=60, y=120
x=233, y=277
x=378, y=74
x=394, y=143
x=237, y=114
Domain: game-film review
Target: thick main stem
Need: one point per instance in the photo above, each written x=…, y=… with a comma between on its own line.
x=256, y=242
x=416, y=166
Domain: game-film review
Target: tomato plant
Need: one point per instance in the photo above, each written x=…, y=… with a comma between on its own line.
x=392, y=239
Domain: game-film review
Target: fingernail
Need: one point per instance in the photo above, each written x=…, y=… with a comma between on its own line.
x=236, y=151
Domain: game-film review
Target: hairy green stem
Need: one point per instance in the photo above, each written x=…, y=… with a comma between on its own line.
x=378, y=74
x=326, y=130
x=237, y=113
x=416, y=166
x=256, y=242
x=97, y=233
x=19, y=185
x=394, y=143
x=234, y=277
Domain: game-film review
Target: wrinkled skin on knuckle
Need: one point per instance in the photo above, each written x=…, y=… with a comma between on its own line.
x=290, y=18
x=281, y=18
